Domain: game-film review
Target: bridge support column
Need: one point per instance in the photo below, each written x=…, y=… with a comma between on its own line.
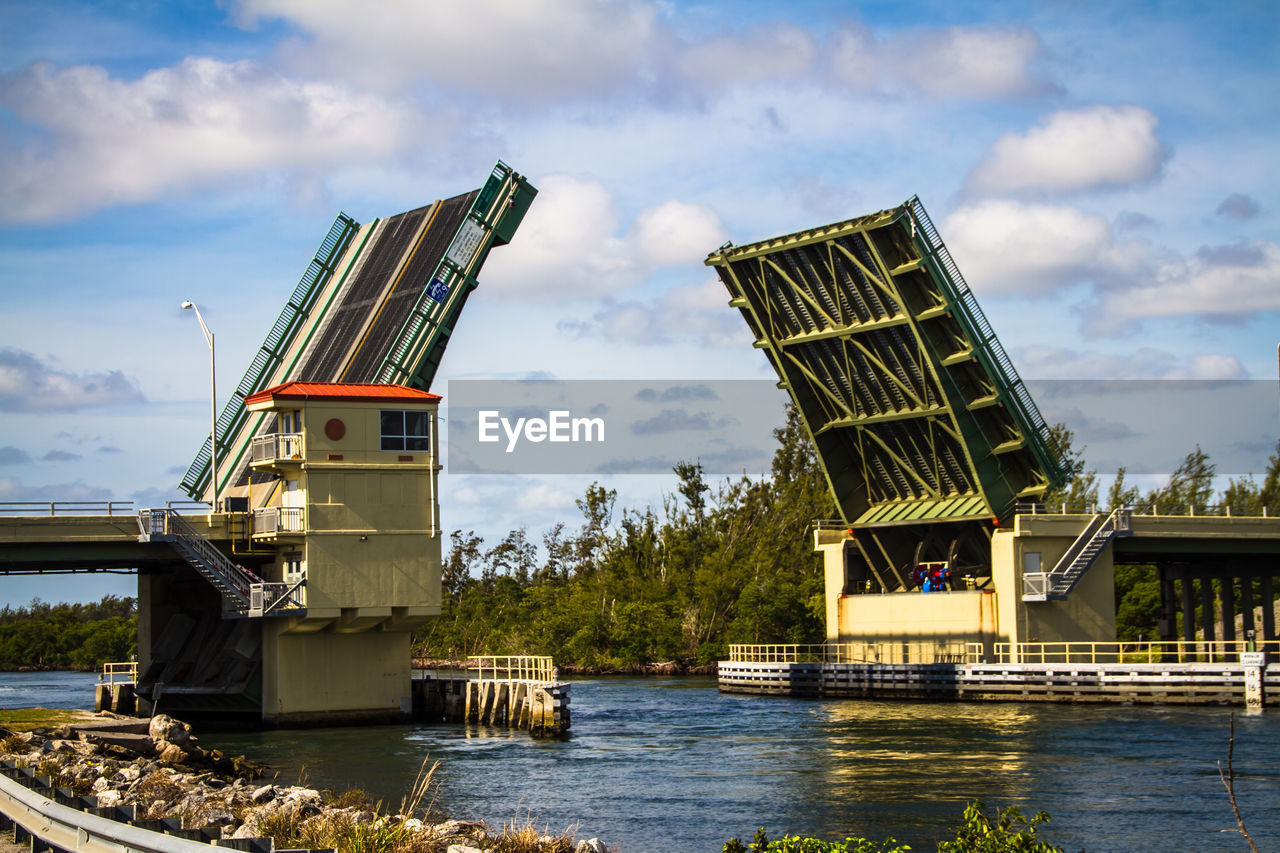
x=1187, y=588
x=1207, y=615
x=328, y=676
x=1228, y=608
x=1269, y=612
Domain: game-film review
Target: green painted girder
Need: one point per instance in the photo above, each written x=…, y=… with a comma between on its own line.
x=495, y=215
x=266, y=362
x=915, y=409
x=414, y=355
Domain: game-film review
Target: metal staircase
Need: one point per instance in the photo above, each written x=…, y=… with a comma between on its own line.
x=1057, y=584
x=243, y=593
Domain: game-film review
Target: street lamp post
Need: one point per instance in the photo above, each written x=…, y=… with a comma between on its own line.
x=213, y=405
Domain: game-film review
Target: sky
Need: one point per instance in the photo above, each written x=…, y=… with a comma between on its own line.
x=1103, y=173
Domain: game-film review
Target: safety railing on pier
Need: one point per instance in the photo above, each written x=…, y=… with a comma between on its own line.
x=537, y=669
x=44, y=508
x=961, y=651
x=120, y=672
x=1155, y=651
x=1152, y=509
x=924, y=651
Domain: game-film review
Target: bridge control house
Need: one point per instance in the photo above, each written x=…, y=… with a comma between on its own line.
x=349, y=476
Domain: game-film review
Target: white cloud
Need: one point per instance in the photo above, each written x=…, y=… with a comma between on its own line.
x=519, y=50
x=103, y=141
x=1009, y=248
x=1090, y=148
x=1232, y=281
x=1049, y=362
x=1017, y=249
x=12, y=489
x=569, y=246
x=774, y=53
x=969, y=62
x=522, y=53
x=543, y=497
x=693, y=312
x=29, y=385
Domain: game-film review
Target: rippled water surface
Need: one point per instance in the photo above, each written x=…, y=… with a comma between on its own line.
x=671, y=764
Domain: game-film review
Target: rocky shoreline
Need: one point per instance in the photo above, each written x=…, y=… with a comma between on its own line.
x=158, y=767
x=665, y=668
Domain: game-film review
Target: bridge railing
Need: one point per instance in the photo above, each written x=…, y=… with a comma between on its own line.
x=962, y=652
x=537, y=669
x=1153, y=651
x=1151, y=509
x=46, y=508
x=916, y=651
x=119, y=672
x=81, y=508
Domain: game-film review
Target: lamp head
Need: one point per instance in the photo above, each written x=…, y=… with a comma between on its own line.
x=188, y=305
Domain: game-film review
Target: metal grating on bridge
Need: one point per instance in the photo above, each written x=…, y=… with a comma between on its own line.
x=377, y=304
x=915, y=409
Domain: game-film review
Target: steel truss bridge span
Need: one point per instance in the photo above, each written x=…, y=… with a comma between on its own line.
x=377, y=304
x=927, y=436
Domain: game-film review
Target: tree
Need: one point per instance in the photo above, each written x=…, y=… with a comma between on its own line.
x=464, y=554
x=1081, y=486
x=1190, y=486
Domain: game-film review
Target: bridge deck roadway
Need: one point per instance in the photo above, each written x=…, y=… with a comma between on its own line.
x=86, y=543
x=1163, y=537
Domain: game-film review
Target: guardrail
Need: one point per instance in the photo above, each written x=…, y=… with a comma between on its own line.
x=913, y=651
x=45, y=508
x=1152, y=509
x=537, y=669
x=963, y=651
x=1154, y=651
x=122, y=672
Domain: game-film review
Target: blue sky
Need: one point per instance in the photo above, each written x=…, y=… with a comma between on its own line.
x=1104, y=174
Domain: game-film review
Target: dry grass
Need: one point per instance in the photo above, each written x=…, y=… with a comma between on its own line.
x=523, y=836
x=351, y=798
x=14, y=744
x=27, y=719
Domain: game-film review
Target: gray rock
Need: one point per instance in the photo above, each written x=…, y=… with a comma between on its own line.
x=261, y=795
x=166, y=728
x=109, y=798
x=463, y=848
x=591, y=845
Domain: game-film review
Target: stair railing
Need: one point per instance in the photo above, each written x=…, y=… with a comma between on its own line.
x=237, y=578
x=1079, y=558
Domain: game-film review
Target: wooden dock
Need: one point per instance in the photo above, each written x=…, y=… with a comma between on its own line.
x=516, y=692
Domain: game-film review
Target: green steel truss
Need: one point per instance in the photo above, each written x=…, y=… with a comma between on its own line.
x=915, y=409
x=414, y=356
x=266, y=361
x=411, y=358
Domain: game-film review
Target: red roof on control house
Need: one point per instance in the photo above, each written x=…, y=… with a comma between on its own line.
x=350, y=392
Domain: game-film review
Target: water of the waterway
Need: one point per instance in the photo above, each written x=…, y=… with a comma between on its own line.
x=673, y=765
